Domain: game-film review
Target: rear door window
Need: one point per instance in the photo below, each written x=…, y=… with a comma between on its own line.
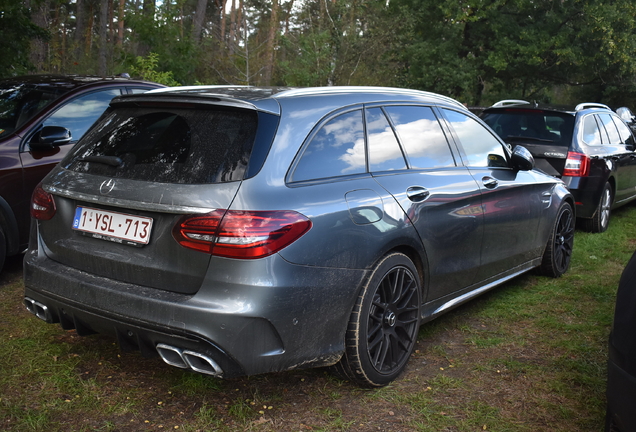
x=168, y=145
x=337, y=149
x=591, y=131
x=384, y=150
x=422, y=136
x=610, y=128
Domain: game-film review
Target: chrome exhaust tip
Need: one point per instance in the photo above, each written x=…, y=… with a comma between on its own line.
x=202, y=363
x=38, y=309
x=172, y=356
x=187, y=359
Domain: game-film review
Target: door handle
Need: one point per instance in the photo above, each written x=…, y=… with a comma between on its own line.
x=417, y=193
x=489, y=182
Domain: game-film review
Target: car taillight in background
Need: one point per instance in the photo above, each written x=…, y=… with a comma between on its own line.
x=576, y=165
x=240, y=234
x=42, y=204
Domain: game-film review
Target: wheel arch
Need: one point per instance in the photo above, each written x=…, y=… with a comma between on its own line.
x=418, y=259
x=570, y=200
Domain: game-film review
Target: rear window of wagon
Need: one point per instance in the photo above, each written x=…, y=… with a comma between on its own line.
x=174, y=145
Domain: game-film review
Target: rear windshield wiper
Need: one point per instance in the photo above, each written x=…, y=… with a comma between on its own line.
x=106, y=160
x=526, y=138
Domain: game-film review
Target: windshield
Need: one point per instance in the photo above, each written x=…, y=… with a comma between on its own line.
x=19, y=103
x=514, y=125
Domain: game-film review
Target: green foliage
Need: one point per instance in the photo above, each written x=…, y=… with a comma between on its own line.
x=477, y=51
x=489, y=49
x=342, y=43
x=146, y=68
x=164, y=35
x=310, y=64
x=16, y=33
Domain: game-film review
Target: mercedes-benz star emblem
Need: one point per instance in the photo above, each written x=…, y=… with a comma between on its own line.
x=107, y=187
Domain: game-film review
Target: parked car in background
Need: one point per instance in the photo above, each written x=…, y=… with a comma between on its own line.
x=240, y=230
x=621, y=367
x=588, y=146
x=628, y=117
x=41, y=117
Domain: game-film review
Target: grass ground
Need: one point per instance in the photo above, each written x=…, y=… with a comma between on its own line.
x=528, y=356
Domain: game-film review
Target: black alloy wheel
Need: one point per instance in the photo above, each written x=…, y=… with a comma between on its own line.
x=383, y=327
x=558, y=251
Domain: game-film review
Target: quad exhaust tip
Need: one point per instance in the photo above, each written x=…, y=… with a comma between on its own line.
x=186, y=359
x=38, y=309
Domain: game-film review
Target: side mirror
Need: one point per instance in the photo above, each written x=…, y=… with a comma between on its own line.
x=50, y=137
x=522, y=159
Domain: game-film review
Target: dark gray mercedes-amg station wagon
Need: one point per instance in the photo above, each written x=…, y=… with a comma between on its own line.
x=240, y=230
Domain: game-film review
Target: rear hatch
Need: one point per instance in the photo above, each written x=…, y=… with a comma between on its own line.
x=546, y=134
x=147, y=163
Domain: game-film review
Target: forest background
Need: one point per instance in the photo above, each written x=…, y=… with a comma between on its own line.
x=478, y=51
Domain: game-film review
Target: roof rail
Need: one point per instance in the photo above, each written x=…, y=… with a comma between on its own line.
x=506, y=102
x=197, y=88
x=586, y=105
x=301, y=91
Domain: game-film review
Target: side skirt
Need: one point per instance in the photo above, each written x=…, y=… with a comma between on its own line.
x=438, y=307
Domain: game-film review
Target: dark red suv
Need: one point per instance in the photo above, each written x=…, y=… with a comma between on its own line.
x=41, y=117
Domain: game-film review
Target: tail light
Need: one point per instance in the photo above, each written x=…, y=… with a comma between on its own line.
x=576, y=165
x=240, y=234
x=42, y=204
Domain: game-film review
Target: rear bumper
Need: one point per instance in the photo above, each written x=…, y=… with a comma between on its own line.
x=271, y=316
x=587, y=193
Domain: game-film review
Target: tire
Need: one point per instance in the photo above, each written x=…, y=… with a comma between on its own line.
x=600, y=220
x=558, y=251
x=383, y=326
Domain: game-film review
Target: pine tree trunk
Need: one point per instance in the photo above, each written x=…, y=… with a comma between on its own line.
x=223, y=20
x=120, y=24
x=271, y=44
x=232, y=40
x=103, y=37
x=199, y=18
x=39, y=47
x=88, y=41
x=80, y=28
x=111, y=21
